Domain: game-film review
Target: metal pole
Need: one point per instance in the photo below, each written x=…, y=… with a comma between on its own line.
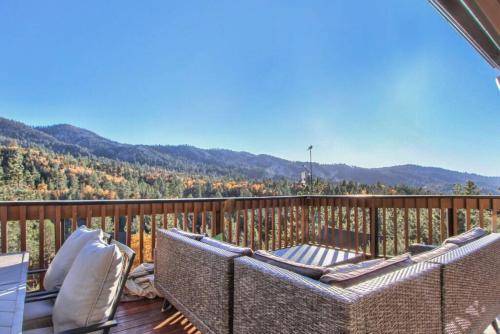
x=310, y=168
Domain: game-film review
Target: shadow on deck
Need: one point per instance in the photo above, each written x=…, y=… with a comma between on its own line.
x=145, y=317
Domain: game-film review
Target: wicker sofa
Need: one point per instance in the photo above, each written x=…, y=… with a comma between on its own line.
x=223, y=292
x=457, y=292
x=272, y=300
x=471, y=285
x=197, y=279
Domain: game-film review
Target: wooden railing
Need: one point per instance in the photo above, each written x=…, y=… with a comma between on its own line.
x=373, y=225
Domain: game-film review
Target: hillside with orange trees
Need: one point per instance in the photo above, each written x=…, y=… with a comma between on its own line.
x=213, y=172
x=36, y=173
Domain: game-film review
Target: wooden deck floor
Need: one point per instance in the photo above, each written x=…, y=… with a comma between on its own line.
x=145, y=317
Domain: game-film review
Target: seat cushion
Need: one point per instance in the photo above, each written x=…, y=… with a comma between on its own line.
x=418, y=248
x=425, y=256
x=356, y=258
x=39, y=309
x=194, y=236
x=43, y=330
x=465, y=238
x=228, y=247
x=38, y=314
x=345, y=279
x=303, y=269
x=60, y=265
x=91, y=285
x=349, y=267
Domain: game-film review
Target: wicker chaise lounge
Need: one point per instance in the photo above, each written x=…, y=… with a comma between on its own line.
x=197, y=279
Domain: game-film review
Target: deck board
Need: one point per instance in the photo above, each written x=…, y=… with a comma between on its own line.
x=145, y=317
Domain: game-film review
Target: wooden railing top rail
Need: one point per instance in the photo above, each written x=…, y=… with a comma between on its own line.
x=405, y=196
x=222, y=199
x=142, y=201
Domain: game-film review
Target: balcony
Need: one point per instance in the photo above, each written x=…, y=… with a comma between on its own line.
x=376, y=226
x=372, y=225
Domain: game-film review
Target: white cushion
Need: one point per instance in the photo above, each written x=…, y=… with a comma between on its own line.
x=39, y=309
x=59, y=267
x=44, y=330
x=228, y=247
x=37, y=314
x=466, y=237
x=429, y=255
x=349, y=267
x=363, y=273
x=87, y=293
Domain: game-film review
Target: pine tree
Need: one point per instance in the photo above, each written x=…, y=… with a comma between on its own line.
x=61, y=182
x=12, y=163
x=176, y=187
x=1, y=171
x=458, y=189
x=471, y=188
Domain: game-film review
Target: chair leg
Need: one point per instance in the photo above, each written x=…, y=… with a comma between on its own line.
x=495, y=326
x=166, y=306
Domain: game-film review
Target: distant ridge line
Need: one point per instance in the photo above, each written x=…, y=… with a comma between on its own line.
x=221, y=162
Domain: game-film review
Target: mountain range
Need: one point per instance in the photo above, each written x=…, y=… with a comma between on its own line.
x=69, y=139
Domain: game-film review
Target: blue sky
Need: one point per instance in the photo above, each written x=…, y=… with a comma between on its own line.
x=368, y=83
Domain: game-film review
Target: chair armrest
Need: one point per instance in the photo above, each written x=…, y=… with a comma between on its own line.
x=91, y=328
x=40, y=293
x=415, y=249
x=40, y=298
x=36, y=271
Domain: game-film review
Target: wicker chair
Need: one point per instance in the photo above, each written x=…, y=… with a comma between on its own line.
x=36, y=295
x=105, y=326
x=471, y=285
x=272, y=300
x=197, y=279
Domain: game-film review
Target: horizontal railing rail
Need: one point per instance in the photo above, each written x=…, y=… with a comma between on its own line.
x=370, y=224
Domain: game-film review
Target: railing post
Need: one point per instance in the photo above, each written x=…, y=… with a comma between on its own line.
x=224, y=206
x=309, y=219
x=374, y=230
x=218, y=219
x=451, y=222
x=3, y=228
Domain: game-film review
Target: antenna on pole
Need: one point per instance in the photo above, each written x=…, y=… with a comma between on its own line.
x=310, y=168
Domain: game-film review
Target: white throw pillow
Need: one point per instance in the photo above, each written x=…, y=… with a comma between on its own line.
x=87, y=294
x=59, y=267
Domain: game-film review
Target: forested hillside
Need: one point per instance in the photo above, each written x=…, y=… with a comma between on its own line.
x=174, y=171
x=35, y=173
